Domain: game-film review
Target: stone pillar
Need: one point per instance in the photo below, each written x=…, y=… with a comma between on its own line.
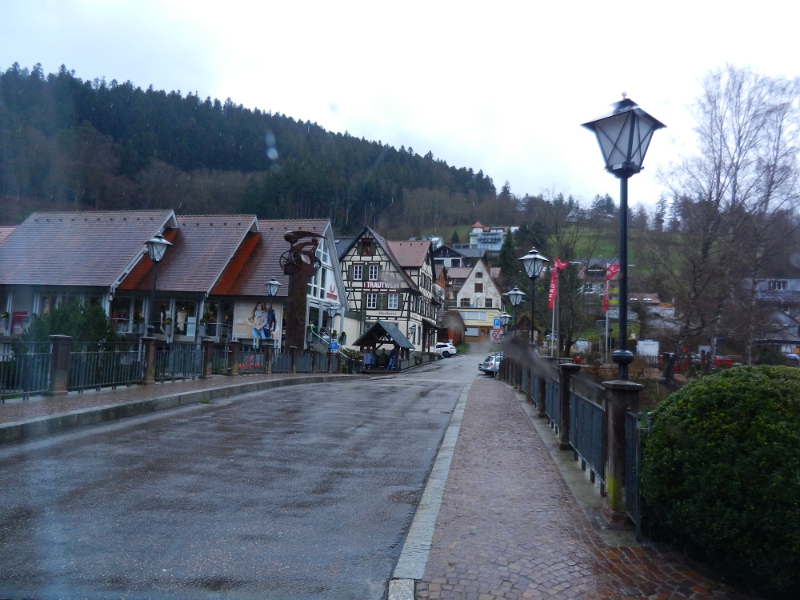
x=566, y=371
x=149, y=371
x=233, y=357
x=330, y=361
x=208, y=358
x=293, y=355
x=268, y=352
x=59, y=365
x=621, y=396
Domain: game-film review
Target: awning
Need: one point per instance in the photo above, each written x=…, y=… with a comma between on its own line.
x=383, y=333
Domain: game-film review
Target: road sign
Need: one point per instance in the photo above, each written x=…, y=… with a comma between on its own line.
x=497, y=324
x=497, y=335
x=334, y=346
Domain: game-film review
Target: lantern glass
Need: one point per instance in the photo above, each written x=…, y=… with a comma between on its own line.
x=504, y=318
x=515, y=296
x=272, y=287
x=332, y=309
x=624, y=137
x=534, y=263
x=157, y=247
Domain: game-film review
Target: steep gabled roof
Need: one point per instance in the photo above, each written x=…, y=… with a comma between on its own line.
x=259, y=259
x=92, y=249
x=459, y=272
x=388, y=250
x=202, y=247
x=411, y=254
x=5, y=232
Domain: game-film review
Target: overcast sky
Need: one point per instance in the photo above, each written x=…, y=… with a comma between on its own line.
x=498, y=86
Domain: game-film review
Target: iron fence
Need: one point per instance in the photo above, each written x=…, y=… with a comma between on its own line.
x=252, y=362
x=282, y=362
x=219, y=360
x=179, y=361
x=95, y=366
x=304, y=362
x=322, y=363
x=552, y=401
x=24, y=369
x=587, y=431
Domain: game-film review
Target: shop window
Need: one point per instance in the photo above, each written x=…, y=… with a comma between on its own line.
x=185, y=318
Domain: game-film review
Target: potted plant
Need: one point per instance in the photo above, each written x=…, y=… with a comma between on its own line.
x=202, y=327
x=4, y=321
x=168, y=326
x=342, y=338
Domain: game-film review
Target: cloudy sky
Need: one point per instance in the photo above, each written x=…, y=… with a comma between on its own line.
x=498, y=86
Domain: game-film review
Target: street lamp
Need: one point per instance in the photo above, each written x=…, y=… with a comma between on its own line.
x=332, y=310
x=533, y=263
x=156, y=248
x=624, y=136
x=515, y=297
x=504, y=319
x=272, y=291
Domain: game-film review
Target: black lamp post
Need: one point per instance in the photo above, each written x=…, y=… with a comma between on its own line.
x=515, y=297
x=156, y=248
x=332, y=310
x=624, y=136
x=533, y=263
x=272, y=291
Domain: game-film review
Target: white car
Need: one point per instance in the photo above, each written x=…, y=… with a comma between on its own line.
x=445, y=349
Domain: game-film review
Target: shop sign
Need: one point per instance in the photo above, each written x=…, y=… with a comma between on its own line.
x=377, y=285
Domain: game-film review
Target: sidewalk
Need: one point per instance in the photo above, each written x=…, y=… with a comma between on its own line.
x=516, y=521
x=42, y=415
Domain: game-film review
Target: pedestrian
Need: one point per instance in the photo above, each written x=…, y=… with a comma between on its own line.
x=392, y=359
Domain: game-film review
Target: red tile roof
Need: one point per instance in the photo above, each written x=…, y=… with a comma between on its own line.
x=77, y=248
x=246, y=276
x=410, y=254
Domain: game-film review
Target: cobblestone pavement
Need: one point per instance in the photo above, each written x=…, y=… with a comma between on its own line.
x=509, y=526
x=42, y=406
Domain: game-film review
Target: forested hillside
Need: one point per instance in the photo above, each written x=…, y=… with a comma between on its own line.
x=109, y=145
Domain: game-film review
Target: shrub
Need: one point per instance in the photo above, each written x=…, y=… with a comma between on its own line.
x=83, y=323
x=721, y=473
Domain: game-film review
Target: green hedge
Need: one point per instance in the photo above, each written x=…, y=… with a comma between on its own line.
x=721, y=473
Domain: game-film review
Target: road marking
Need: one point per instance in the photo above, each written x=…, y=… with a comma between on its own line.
x=414, y=556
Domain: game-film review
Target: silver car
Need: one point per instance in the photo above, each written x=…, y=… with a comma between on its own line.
x=491, y=365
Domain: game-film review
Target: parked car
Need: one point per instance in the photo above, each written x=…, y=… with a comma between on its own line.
x=446, y=349
x=491, y=365
x=723, y=361
x=794, y=359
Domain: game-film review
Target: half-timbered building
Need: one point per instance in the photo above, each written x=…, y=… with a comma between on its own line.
x=392, y=282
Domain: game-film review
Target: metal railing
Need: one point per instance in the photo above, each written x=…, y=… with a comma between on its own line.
x=252, y=362
x=179, y=361
x=552, y=401
x=304, y=362
x=24, y=369
x=94, y=366
x=587, y=424
x=282, y=363
x=219, y=360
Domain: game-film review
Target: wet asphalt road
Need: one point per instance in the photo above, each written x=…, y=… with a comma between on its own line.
x=300, y=492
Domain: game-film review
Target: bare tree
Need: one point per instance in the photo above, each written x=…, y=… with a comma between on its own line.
x=728, y=193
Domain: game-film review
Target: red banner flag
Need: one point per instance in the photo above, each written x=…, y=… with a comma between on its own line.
x=557, y=265
x=611, y=272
